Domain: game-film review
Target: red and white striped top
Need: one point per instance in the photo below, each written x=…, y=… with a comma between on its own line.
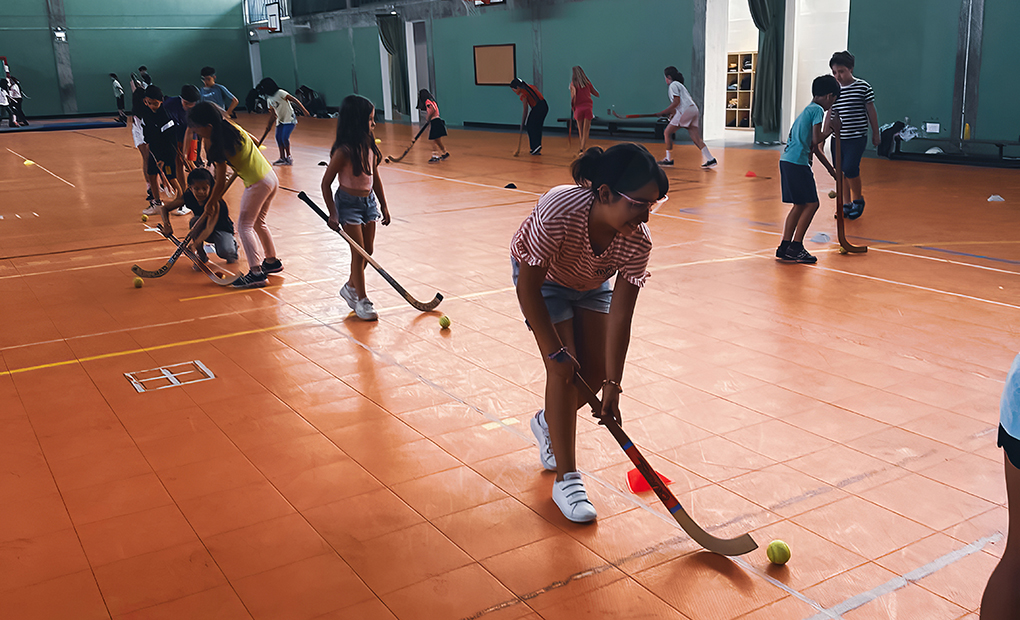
x=555, y=235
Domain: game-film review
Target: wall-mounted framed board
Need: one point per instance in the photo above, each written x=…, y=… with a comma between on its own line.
x=495, y=65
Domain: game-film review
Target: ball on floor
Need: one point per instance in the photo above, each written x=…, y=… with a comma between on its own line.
x=378, y=141
x=145, y=218
x=138, y=282
x=778, y=552
x=29, y=162
x=444, y=322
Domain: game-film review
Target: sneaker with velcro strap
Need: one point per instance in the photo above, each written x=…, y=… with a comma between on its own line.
x=249, y=280
x=541, y=430
x=572, y=500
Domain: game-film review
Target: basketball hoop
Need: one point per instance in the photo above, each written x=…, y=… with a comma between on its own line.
x=273, y=23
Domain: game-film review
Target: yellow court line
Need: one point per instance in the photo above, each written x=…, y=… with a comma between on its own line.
x=182, y=343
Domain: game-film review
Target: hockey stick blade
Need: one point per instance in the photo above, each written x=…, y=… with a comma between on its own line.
x=162, y=271
x=408, y=149
x=423, y=307
x=204, y=268
x=723, y=546
x=845, y=246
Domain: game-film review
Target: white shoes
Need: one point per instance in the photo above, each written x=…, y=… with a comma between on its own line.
x=572, y=499
x=181, y=211
x=541, y=431
x=349, y=294
x=365, y=310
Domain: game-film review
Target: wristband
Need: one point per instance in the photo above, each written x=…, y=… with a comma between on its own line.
x=557, y=356
x=611, y=382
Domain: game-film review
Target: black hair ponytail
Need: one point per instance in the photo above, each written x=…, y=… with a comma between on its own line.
x=624, y=168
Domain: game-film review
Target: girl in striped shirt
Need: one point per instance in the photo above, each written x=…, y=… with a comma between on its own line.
x=576, y=239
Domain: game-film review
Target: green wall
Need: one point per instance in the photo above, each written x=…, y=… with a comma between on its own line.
x=570, y=34
x=325, y=61
x=998, y=116
x=175, y=40
x=906, y=50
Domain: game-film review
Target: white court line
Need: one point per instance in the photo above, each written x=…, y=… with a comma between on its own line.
x=946, y=260
x=44, y=169
x=898, y=582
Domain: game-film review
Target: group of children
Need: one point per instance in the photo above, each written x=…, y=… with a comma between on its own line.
x=10, y=101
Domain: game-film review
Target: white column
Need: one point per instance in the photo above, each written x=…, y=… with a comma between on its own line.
x=412, y=72
x=713, y=123
x=387, y=90
x=255, y=55
x=791, y=107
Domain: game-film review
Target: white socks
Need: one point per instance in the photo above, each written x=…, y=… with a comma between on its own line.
x=669, y=155
x=707, y=153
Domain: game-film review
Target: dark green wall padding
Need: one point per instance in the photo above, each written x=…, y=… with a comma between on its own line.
x=175, y=40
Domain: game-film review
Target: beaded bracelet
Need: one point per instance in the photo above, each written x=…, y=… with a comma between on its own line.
x=611, y=382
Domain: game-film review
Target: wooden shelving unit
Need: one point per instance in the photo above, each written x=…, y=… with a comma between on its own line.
x=740, y=75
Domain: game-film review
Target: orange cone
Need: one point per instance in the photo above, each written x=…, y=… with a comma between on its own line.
x=638, y=484
x=750, y=173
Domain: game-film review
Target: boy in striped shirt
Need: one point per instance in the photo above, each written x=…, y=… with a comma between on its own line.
x=856, y=110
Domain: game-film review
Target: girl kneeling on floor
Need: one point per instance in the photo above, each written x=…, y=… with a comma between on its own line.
x=563, y=255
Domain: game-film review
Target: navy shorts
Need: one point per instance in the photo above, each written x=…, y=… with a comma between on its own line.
x=356, y=209
x=437, y=129
x=561, y=301
x=798, y=183
x=169, y=167
x=1010, y=445
x=851, y=151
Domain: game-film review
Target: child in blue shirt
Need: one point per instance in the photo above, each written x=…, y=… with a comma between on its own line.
x=806, y=137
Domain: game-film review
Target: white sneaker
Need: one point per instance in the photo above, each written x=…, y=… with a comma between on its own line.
x=151, y=210
x=350, y=295
x=572, y=499
x=365, y=310
x=280, y=162
x=541, y=431
x=181, y=211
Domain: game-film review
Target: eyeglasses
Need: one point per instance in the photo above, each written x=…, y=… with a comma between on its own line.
x=651, y=205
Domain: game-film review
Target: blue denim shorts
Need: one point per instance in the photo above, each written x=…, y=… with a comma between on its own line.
x=355, y=209
x=283, y=132
x=851, y=150
x=561, y=301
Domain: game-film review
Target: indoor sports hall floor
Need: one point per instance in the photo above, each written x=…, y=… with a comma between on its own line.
x=341, y=469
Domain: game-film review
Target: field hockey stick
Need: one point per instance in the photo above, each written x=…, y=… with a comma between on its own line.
x=570, y=125
x=168, y=188
x=837, y=161
x=642, y=116
x=215, y=276
x=408, y=149
x=723, y=546
x=520, y=136
x=613, y=112
x=424, y=307
x=199, y=226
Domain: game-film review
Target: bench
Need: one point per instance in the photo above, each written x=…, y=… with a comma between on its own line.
x=625, y=125
x=962, y=154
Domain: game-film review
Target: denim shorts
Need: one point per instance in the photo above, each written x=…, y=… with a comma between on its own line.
x=561, y=301
x=850, y=151
x=1010, y=445
x=356, y=209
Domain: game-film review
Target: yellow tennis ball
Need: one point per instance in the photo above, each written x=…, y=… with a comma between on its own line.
x=29, y=162
x=832, y=193
x=145, y=218
x=139, y=282
x=444, y=322
x=262, y=147
x=778, y=552
x=378, y=141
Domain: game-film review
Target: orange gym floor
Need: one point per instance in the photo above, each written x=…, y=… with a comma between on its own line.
x=334, y=468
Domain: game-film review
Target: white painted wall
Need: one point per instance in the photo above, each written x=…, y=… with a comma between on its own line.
x=412, y=69
x=713, y=117
x=822, y=28
x=387, y=90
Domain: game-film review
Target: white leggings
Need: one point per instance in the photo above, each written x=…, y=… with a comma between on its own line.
x=251, y=221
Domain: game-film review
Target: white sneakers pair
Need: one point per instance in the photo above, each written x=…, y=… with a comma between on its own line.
x=568, y=494
x=363, y=308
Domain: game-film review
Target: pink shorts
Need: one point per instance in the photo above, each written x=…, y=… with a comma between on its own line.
x=686, y=118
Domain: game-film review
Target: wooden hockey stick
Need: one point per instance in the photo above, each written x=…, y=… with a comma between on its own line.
x=844, y=245
x=199, y=226
x=218, y=278
x=723, y=546
x=408, y=149
x=424, y=307
x=520, y=135
x=613, y=112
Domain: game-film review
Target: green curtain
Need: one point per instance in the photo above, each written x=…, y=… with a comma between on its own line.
x=391, y=32
x=768, y=16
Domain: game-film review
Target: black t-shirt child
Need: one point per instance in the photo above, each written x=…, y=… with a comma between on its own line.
x=223, y=223
x=160, y=133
